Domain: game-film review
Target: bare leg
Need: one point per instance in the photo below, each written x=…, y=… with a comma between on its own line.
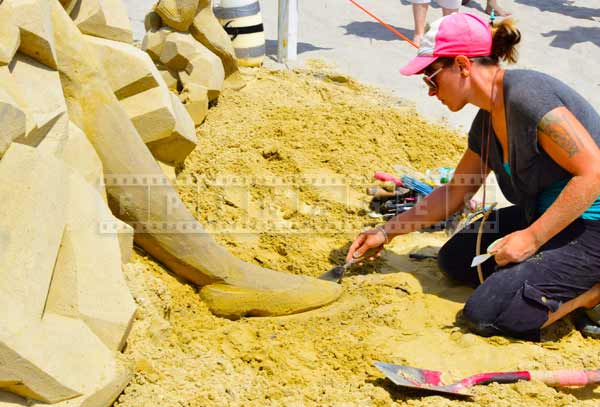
x=420, y=15
x=588, y=299
x=448, y=11
x=499, y=11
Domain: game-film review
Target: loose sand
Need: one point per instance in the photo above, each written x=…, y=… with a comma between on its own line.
x=293, y=148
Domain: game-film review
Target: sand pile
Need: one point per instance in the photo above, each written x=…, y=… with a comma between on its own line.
x=276, y=151
x=298, y=150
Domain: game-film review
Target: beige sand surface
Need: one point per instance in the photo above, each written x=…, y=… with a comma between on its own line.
x=313, y=128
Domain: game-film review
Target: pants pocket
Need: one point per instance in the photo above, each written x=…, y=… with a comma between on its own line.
x=526, y=313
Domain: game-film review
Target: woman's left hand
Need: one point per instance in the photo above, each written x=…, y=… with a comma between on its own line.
x=515, y=247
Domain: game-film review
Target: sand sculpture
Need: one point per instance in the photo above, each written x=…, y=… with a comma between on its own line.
x=9, y=35
x=78, y=109
x=102, y=18
x=62, y=319
x=185, y=38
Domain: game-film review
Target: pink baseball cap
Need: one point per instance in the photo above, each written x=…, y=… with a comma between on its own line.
x=456, y=34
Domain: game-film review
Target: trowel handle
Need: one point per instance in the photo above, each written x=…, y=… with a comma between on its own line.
x=558, y=378
x=494, y=377
x=567, y=377
x=369, y=253
x=384, y=176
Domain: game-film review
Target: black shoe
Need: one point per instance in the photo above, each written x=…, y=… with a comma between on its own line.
x=585, y=325
x=594, y=314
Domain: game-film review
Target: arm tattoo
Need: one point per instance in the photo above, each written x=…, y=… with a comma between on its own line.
x=560, y=132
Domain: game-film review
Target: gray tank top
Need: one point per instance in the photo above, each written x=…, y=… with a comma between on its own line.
x=528, y=96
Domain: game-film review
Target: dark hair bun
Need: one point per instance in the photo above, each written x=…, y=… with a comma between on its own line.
x=505, y=37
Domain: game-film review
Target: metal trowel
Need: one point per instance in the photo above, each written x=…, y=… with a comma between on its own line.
x=431, y=380
x=336, y=274
x=420, y=379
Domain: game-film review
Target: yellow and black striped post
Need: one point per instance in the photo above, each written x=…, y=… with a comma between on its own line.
x=242, y=20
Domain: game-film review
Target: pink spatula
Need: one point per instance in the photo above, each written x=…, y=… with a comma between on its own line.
x=430, y=380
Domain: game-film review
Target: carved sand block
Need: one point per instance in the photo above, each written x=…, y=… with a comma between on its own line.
x=10, y=400
x=12, y=111
x=43, y=100
x=103, y=18
x=129, y=70
x=88, y=282
x=80, y=155
x=178, y=51
x=34, y=199
x=13, y=120
x=194, y=62
x=152, y=21
x=154, y=41
x=190, y=253
x=204, y=71
x=163, y=123
x=8, y=84
x=195, y=99
x=174, y=149
x=168, y=171
x=171, y=78
x=65, y=363
x=146, y=98
x=151, y=113
x=68, y=5
x=207, y=30
x=125, y=237
x=143, y=92
x=110, y=391
x=177, y=14
x=37, y=37
x=46, y=356
x=10, y=38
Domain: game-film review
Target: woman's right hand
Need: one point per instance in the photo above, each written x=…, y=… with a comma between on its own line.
x=370, y=239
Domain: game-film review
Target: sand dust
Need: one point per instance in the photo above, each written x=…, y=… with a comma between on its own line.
x=285, y=161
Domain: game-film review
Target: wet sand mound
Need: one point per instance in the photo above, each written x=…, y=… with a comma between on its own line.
x=278, y=177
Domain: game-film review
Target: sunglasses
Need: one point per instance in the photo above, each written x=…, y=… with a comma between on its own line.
x=428, y=79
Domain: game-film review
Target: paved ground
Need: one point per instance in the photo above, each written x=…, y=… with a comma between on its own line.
x=560, y=37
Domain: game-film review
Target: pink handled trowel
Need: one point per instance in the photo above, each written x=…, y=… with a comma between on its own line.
x=431, y=380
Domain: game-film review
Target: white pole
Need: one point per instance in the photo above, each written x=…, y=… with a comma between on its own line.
x=287, y=28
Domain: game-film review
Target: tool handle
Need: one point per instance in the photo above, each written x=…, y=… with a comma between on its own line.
x=369, y=253
x=384, y=176
x=567, y=377
x=494, y=377
x=558, y=378
x=378, y=192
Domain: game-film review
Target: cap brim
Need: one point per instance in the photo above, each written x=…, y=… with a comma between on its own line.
x=417, y=64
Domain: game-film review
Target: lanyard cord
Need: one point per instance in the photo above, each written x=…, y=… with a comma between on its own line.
x=482, y=172
x=487, y=135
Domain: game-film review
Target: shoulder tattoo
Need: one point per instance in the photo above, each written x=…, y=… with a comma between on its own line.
x=560, y=131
